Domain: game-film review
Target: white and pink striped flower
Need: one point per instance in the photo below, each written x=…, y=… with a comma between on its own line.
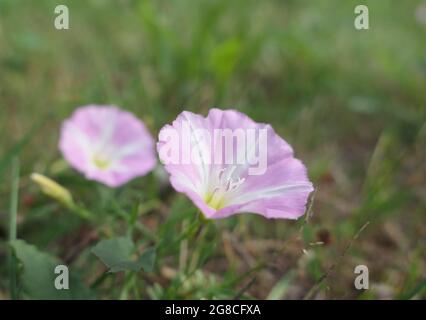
x=227, y=164
x=107, y=144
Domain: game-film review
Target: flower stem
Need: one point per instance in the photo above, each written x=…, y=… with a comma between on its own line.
x=12, y=226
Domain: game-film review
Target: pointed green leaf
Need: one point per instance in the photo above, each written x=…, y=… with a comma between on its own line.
x=114, y=252
x=147, y=259
x=116, y=255
x=38, y=275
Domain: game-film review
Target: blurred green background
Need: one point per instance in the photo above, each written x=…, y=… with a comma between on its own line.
x=352, y=103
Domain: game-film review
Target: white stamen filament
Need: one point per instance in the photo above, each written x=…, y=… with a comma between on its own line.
x=225, y=185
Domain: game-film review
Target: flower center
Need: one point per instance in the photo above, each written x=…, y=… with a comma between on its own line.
x=100, y=161
x=225, y=184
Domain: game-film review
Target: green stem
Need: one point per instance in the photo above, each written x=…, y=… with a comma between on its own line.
x=12, y=227
x=127, y=283
x=81, y=212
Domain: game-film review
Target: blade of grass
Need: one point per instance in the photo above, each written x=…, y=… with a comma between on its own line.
x=7, y=158
x=12, y=226
x=318, y=284
x=410, y=294
x=282, y=286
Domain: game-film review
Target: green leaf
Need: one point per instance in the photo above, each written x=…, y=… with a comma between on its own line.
x=116, y=254
x=224, y=58
x=147, y=259
x=38, y=275
x=112, y=252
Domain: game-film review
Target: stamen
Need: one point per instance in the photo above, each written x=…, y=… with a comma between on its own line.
x=226, y=184
x=235, y=184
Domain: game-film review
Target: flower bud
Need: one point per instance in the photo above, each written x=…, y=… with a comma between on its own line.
x=53, y=189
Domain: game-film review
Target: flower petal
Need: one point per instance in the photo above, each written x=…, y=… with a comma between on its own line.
x=275, y=187
x=107, y=144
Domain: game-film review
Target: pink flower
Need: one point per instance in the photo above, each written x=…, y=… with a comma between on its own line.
x=107, y=144
x=226, y=164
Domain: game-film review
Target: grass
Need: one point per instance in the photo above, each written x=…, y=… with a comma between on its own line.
x=351, y=103
x=13, y=227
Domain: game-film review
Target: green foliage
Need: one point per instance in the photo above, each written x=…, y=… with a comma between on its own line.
x=351, y=103
x=38, y=277
x=418, y=289
x=116, y=254
x=281, y=288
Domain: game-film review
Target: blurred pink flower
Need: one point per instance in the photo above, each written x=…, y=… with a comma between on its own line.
x=226, y=164
x=107, y=144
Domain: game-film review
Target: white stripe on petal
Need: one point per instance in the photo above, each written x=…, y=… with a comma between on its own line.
x=272, y=192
